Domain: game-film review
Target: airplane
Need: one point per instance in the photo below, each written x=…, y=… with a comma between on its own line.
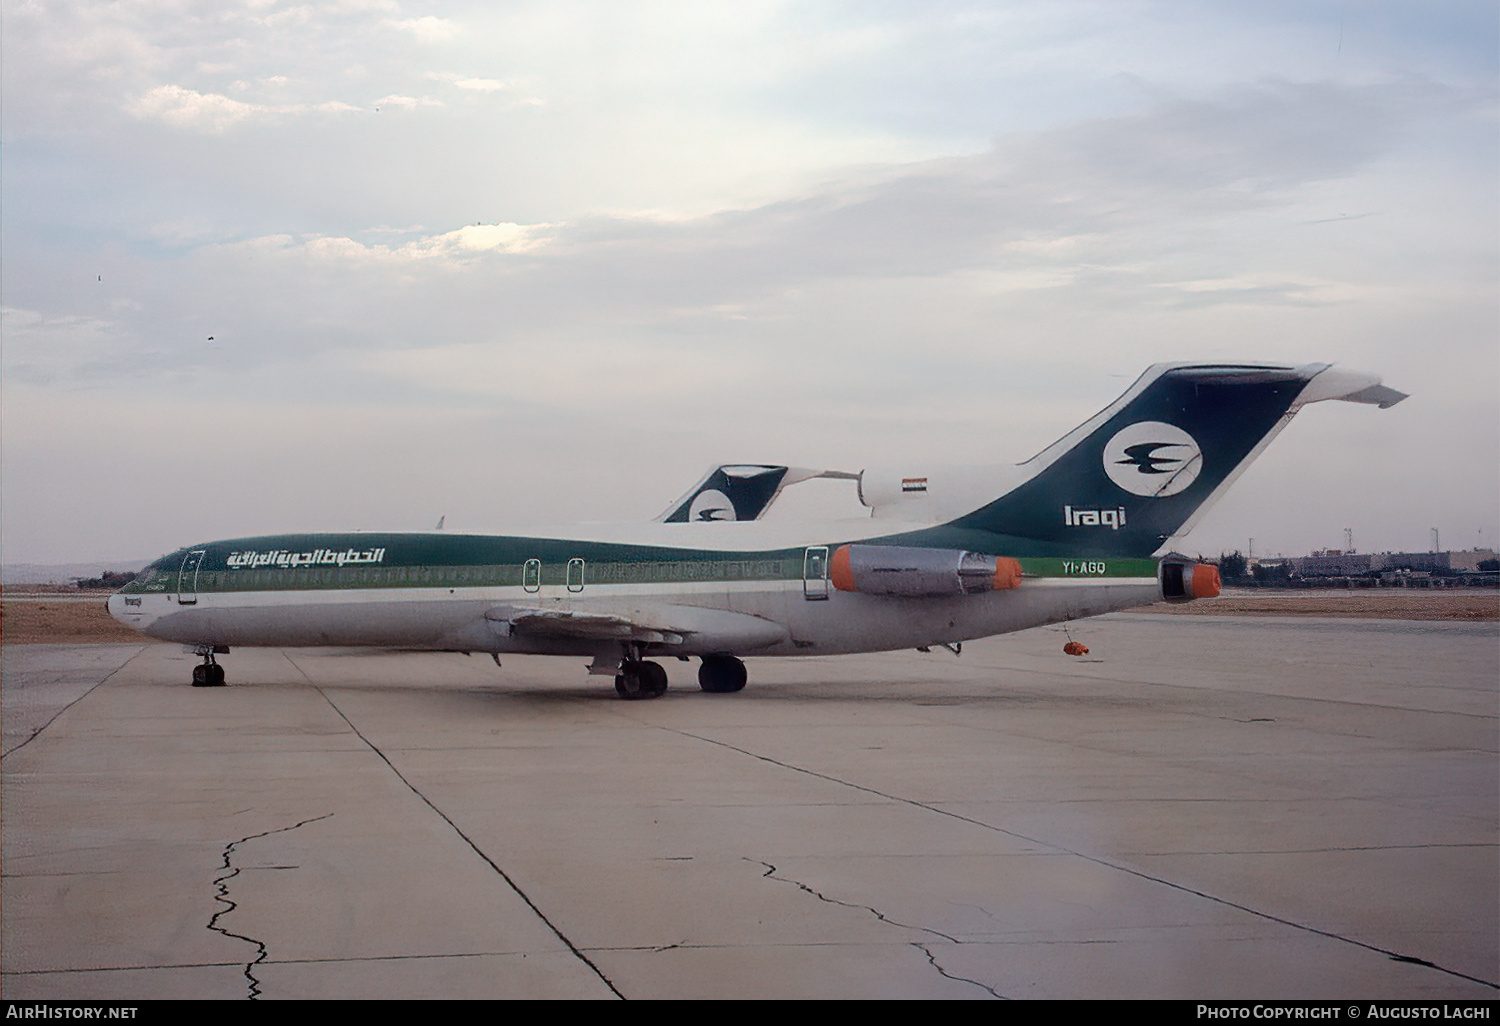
x=947, y=554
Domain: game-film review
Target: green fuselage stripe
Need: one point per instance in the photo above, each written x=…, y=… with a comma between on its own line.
x=327, y=562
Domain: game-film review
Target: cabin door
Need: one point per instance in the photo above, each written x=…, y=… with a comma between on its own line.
x=187, y=578
x=815, y=573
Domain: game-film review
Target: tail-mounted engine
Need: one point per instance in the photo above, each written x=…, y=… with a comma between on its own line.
x=1183, y=580
x=912, y=572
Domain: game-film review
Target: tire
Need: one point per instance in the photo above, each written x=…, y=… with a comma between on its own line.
x=628, y=684
x=637, y=680
x=722, y=675
x=653, y=680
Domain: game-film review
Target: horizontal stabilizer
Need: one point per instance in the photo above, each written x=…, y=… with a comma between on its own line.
x=1348, y=386
x=1376, y=395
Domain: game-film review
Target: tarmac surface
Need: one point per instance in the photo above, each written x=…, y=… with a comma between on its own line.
x=1202, y=807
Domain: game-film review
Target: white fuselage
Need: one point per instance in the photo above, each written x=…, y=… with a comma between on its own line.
x=766, y=617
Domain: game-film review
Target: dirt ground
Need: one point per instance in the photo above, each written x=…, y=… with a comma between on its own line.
x=1369, y=603
x=62, y=621
x=65, y=620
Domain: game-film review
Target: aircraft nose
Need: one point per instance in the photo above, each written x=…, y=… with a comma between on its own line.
x=120, y=609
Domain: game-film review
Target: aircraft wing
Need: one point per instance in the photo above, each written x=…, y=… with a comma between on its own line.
x=693, y=627
x=568, y=623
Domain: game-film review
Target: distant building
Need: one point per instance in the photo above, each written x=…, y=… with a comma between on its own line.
x=1333, y=563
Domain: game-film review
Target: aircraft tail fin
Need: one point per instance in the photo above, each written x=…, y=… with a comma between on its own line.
x=1150, y=464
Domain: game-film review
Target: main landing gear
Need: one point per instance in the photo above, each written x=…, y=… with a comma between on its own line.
x=721, y=675
x=639, y=678
x=209, y=674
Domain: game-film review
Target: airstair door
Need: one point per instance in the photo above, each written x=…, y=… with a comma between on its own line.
x=815, y=573
x=187, y=578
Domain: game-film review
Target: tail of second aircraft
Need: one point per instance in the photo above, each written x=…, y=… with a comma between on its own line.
x=1146, y=467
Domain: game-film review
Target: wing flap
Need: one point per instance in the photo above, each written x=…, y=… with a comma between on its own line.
x=691, y=628
x=570, y=623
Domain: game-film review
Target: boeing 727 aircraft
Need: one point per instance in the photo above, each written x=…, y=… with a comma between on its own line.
x=945, y=556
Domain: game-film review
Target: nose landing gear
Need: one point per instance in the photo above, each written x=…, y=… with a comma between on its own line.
x=209, y=674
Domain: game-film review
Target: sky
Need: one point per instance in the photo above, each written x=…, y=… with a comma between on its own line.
x=360, y=265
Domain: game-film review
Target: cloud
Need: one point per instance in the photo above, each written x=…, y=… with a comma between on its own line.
x=504, y=238
x=592, y=365
x=475, y=84
x=427, y=29
x=481, y=85
x=214, y=112
x=452, y=247
x=407, y=102
x=187, y=108
x=67, y=350
x=824, y=234
x=1044, y=223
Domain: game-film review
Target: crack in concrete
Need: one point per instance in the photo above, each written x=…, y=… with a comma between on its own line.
x=473, y=846
x=1095, y=859
x=959, y=979
x=978, y=908
x=349, y=960
x=221, y=885
x=1318, y=851
x=771, y=872
x=53, y=719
